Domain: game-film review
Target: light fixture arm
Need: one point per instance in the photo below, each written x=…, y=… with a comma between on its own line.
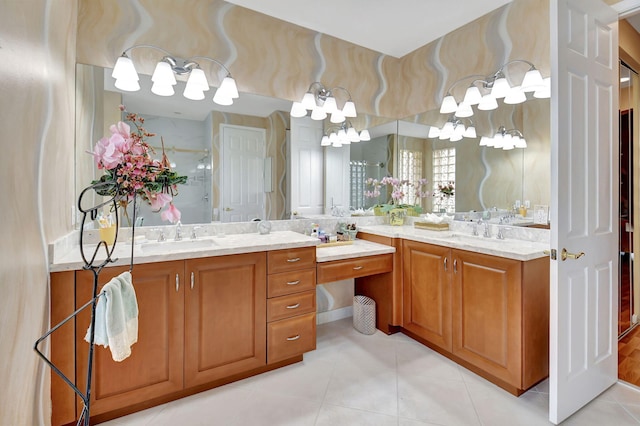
x=455, y=83
x=215, y=61
x=515, y=61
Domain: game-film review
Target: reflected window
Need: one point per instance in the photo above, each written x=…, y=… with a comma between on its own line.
x=358, y=176
x=410, y=170
x=444, y=176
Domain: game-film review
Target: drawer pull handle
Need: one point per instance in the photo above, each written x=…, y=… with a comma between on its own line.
x=455, y=265
x=357, y=268
x=293, y=306
x=296, y=337
x=446, y=268
x=177, y=282
x=192, y=280
x=295, y=259
x=293, y=282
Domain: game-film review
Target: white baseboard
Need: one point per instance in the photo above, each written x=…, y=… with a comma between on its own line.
x=334, y=315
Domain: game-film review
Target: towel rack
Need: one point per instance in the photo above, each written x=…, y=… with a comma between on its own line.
x=90, y=263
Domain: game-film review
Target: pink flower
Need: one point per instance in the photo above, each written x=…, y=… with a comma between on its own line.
x=106, y=154
x=121, y=128
x=158, y=200
x=172, y=214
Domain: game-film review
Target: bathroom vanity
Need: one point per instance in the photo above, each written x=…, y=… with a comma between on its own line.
x=222, y=309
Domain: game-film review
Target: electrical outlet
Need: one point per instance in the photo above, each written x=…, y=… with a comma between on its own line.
x=527, y=204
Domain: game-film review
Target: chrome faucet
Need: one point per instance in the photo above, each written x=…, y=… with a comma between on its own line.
x=194, y=235
x=487, y=230
x=161, y=236
x=501, y=233
x=178, y=231
x=474, y=231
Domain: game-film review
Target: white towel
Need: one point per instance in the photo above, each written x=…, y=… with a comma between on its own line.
x=117, y=317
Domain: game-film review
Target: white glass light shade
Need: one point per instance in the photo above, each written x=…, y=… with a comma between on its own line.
x=297, y=110
x=434, y=132
x=352, y=134
x=484, y=141
x=507, y=142
x=162, y=89
x=196, y=85
x=520, y=142
x=342, y=137
x=309, y=101
x=449, y=105
x=532, y=81
x=498, y=140
x=349, y=109
x=446, y=131
x=545, y=92
x=325, y=141
x=221, y=99
x=464, y=110
x=318, y=114
x=337, y=144
x=470, y=132
x=472, y=96
x=500, y=88
x=163, y=74
x=228, y=88
x=337, y=117
x=330, y=105
x=458, y=131
x=488, y=103
x=124, y=69
x=455, y=138
x=127, y=85
x=364, y=135
x=515, y=96
x=333, y=138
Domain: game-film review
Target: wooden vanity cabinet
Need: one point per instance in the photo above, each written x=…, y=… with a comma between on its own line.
x=225, y=316
x=291, y=303
x=488, y=313
x=155, y=367
x=427, y=293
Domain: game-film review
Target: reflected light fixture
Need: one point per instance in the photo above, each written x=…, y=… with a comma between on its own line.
x=164, y=76
x=453, y=130
x=343, y=134
x=322, y=102
x=484, y=91
x=505, y=139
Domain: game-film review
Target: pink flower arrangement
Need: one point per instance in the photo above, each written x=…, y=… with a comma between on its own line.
x=398, y=188
x=126, y=158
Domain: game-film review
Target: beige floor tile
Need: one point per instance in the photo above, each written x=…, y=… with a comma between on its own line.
x=599, y=413
x=331, y=415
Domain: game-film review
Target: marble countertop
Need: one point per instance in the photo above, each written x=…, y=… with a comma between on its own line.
x=359, y=248
x=152, y=251
x=510, y=248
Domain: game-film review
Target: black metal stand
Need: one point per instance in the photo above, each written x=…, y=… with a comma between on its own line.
x=96, y=268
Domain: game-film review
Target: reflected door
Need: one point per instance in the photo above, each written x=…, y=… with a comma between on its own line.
x=242, y=173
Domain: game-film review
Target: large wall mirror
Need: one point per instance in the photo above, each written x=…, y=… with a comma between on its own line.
x=194, y=142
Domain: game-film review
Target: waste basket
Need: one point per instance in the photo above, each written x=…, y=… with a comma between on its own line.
x=364, y=314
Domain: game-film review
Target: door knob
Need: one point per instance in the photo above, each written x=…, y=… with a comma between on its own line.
x=228, y=209
x=564, y=255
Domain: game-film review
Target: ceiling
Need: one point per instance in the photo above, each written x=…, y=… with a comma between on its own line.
x=635, y=21
x=392, y=27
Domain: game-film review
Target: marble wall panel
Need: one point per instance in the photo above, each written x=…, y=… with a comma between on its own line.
x=37, y=171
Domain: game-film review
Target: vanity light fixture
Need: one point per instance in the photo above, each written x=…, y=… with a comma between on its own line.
x=343, y=134
x=164, y=76
x=484, y=91
x=505, y=139
x=453, y=130
x=321, y=102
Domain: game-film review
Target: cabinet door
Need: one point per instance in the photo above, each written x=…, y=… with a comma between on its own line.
x=427, y=292
x=225, y=316
x=155, y=366
x=487, y=315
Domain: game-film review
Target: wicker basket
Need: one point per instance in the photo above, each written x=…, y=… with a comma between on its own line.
x=364, y=314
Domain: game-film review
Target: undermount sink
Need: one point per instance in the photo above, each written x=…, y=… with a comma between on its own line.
x=171, y=246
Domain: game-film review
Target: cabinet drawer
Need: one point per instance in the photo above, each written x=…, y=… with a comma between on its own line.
x=354, y=268
x=291, y=282
x=290, y=337
x=289, y=306
x=291, y=259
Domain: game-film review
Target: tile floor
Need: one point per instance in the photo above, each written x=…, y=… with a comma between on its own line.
x=354, y=379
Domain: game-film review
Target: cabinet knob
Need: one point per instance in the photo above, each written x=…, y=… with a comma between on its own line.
x=296, y=337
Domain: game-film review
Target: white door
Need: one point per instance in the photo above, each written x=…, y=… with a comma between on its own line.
x=584, y=194
x=242, y=173
x=304, y=172
x=337, y=188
